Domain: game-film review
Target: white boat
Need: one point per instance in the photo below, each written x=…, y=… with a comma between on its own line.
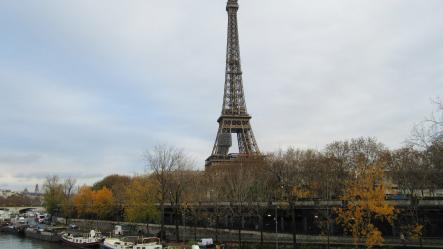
x=115, y=243
x=5, y=215
x=91, y=240
x=149, y=243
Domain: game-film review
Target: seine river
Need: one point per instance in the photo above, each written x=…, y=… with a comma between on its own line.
x=15, y=242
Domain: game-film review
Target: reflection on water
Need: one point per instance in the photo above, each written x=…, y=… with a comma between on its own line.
x=15, y=242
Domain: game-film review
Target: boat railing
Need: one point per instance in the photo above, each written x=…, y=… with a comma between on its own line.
x=150, y=240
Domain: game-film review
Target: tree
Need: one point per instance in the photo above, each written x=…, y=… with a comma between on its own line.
x=94, y=204
x=427, y=140
x=53, y=194
x=160, y=162
x=237, y=180
x=68, y=192
x=421, y=165
x=19, y=200
x=434, y=157
x=195, y=194
x=83, y=202
x=112, y=182
x=102, y=203
x=291, y=184
x=365, y=204
x=413, y=173
x=355, y=152
x=178, y=184
x=262, y=191
x=139, y=202
x=325, y=182
x=118, y=185
x=410, y=171
x=425, y=133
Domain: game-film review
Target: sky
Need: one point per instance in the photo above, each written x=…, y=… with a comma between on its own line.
x=87, y=87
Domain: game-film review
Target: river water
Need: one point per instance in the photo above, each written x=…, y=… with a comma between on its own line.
x=8, y=241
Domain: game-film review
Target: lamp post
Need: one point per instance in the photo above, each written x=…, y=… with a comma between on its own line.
x=211, y=191
x=276, y=226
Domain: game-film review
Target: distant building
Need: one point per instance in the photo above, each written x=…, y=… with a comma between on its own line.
x=5, y=193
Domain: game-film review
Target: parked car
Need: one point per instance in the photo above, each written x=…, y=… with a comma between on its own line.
x=21, y=220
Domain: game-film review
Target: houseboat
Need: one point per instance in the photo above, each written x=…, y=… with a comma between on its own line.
x=149, y=243
x=115, y=243
x=91, y=240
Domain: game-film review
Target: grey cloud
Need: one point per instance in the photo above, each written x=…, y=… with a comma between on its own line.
x=42, y=175
x=18, y=158
x=144, y=72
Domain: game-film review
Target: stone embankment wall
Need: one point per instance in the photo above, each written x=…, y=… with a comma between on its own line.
x=225, y=235
x=186, y=233
x=107, y=227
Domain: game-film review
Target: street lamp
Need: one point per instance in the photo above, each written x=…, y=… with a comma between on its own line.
x=276, y=226
x=212, y=197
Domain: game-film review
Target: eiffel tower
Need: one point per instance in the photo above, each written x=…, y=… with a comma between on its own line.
x=234, y=116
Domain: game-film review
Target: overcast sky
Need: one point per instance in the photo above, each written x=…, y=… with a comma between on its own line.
x=87, y=86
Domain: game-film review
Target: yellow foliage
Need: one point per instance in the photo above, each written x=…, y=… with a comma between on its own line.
x=83, y=201
x=365, y=198
x=374, y=237
x=300, y=193
x=93, y=203
x=414, y=231
x=139, y=200
x=103, y=201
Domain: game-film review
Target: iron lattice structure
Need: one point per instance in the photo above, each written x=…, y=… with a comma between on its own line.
x=234, y=116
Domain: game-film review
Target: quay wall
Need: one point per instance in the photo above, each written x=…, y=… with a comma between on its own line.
x=186, y=232
x=226, y=235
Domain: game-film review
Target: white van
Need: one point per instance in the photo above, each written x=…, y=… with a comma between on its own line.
x=205, y=242
x=21, y=220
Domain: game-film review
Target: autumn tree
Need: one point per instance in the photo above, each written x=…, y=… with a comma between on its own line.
x=83, y=202
x=365, y=204
x=139, y=204
x=118, y=185
x=94, y=204
x=112, y=182
x=103, y=203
